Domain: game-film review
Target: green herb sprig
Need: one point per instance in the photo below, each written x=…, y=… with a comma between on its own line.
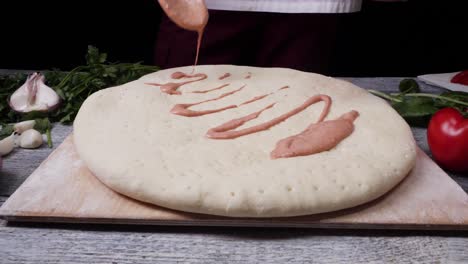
x=73, y=87
x=417, y=107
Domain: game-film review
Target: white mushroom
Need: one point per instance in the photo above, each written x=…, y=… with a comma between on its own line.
x=34, y=95
x=30, y=139
x=23, y=126
x=7, y=144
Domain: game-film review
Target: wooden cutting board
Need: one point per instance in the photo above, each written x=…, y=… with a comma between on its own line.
x=62, y=189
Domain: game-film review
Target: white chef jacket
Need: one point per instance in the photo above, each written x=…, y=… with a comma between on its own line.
x=287, y=6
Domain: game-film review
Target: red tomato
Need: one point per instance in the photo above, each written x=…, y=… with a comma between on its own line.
x=447, y=136
x=461, y=78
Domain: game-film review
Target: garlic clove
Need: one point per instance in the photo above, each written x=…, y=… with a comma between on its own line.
x=30, y=139
x=7, y=144
x=23, y=126
x=34, y=95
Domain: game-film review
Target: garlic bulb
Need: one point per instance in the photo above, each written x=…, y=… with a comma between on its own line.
x=34, y=95
x=30, y=139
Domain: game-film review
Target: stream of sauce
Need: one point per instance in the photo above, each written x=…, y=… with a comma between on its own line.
x=199, y=40
x=191, y=15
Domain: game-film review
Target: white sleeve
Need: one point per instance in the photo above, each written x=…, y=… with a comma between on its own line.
x=287, y=6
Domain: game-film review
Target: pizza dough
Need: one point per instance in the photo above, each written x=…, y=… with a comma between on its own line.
x=128, y=138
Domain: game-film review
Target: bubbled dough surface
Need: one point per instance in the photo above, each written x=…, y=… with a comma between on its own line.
x=131, y=142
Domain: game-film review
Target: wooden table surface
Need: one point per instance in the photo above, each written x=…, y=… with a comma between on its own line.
x=65, y=243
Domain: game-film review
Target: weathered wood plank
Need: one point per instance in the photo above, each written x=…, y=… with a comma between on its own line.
x=91, y=244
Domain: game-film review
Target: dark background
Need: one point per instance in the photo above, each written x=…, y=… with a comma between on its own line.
x=384, y=39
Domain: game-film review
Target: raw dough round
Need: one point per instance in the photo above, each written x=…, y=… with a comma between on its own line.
x=128, y=138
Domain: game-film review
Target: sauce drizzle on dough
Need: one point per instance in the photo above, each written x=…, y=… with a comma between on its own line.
x=317, y=137
x=227, y=130
x=171, y=88
x=210, y=90
x=256, y=98
x=224, y=76
x=183, y=109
